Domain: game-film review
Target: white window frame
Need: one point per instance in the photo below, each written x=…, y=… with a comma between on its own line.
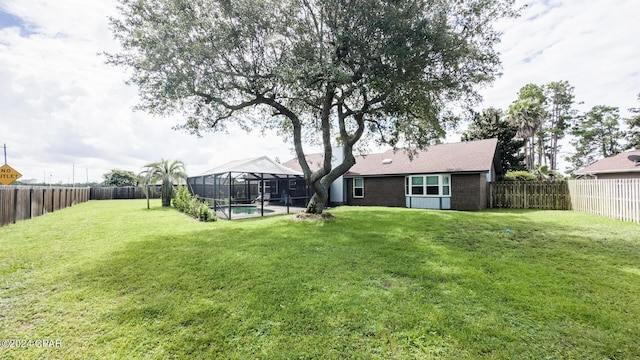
x=441, y=185
x=358, y=187
x=267, y=188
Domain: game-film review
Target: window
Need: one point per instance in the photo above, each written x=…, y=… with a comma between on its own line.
x=432, y=185
x=358, y=188
x=293, y=185
x=417, y=185
x=445, y=185
x=270, y=186
x=428, y=185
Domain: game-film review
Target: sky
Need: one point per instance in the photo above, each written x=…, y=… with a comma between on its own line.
x=66, y=116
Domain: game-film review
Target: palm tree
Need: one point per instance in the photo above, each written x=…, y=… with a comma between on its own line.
x=527, y=114
x=166, y=172
x=144, y=181
x=544, y=172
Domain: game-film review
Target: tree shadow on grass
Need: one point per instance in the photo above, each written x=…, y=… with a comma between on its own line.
x=367, y=284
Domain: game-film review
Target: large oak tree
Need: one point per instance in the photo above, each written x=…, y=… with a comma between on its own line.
x=314, y=69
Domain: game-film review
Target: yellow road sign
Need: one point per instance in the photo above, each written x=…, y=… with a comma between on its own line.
x=8, y=174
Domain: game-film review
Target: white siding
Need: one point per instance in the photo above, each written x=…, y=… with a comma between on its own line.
x=337, y=188
x=421, y=202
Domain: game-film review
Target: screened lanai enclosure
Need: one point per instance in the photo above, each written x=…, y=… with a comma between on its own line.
x=251, y=187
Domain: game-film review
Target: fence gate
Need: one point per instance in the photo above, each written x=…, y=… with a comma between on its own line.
x=543, y=195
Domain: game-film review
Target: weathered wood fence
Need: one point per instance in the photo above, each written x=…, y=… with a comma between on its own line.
x=614, y=198
x=19, y=203
x=124, y=192
x=543, y=195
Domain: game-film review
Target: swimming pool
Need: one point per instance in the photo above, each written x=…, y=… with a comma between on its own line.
x=247, y=210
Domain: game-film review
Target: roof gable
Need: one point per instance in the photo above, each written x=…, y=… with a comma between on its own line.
x=260, y=165
x=622, y=162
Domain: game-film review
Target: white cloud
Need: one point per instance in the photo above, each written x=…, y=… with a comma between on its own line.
x=591, y=44
x=61, y=105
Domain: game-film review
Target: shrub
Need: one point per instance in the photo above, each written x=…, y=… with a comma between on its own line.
x=205, y=214
x=519, y=176
x=191, y=205
x=181, y=199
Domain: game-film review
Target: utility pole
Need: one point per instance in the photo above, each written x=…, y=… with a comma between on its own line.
x=5, y=154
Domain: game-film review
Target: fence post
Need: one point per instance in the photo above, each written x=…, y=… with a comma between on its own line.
x=30, y=202
x=15, y=205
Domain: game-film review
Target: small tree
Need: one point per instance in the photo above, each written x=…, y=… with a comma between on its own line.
x=168, y=173
x=544, y=172
x=117, y=177
x=145, y=177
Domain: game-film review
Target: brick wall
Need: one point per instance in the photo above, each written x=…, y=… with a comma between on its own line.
x=384, y=191
x=468, y=191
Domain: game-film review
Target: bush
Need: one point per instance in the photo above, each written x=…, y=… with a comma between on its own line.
x=191, y=205
x=181, y=199
x=205, y=214
x=519, y=176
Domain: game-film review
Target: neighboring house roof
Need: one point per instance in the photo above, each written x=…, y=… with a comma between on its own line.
x=314, y=161
x=621, y=163
x=260, y=165
x=468, y=156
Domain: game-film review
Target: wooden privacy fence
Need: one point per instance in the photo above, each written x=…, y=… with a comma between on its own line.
x=543, y=195
x=614, y=198
x=124, y=192
x=21, y=203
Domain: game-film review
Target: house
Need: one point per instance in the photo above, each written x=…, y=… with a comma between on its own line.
x=625, y=165
x=445, y=176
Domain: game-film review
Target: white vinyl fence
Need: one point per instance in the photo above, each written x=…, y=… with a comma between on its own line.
x=617, y=199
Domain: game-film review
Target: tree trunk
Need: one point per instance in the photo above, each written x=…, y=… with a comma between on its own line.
x=317, y=203
x=554, y=151
x=167, y=192
x=322, y=178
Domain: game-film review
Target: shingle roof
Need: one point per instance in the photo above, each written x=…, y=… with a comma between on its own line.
x=468, y=156
x=613, y=164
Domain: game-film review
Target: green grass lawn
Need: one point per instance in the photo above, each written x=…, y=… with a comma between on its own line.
x=111, y=279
